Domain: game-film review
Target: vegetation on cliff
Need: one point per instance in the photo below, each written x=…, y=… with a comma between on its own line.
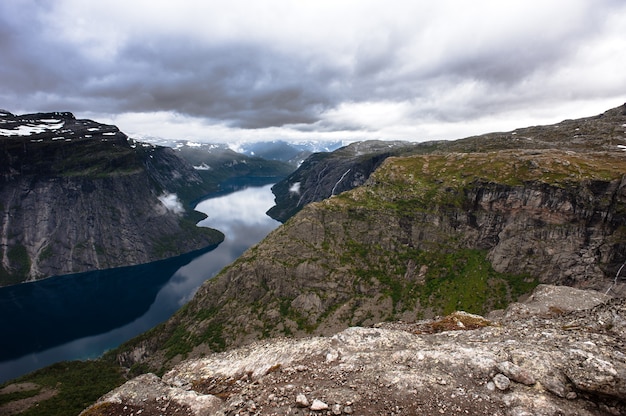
x=428, y=233
x=466, y=225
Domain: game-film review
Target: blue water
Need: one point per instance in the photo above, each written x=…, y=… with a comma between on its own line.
x=82, y=315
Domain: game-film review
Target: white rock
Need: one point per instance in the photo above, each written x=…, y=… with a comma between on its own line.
x=302, y=401
x=319, y=405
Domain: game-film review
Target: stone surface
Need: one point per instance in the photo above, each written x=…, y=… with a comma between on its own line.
x=521, y=364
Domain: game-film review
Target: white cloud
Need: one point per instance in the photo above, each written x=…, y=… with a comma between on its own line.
x=295, y=188
x=172, y=203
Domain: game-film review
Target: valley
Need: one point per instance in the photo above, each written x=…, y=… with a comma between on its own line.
x=398, y=236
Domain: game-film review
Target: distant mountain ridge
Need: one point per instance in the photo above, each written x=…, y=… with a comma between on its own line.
x=324, y=174
x=77, y=195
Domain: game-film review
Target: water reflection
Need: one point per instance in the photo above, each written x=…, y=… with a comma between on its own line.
x=81, y=316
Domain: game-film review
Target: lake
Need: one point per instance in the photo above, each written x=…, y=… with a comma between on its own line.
x=82, y=315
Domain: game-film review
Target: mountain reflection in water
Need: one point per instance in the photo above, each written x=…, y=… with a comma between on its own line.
x=81, y=316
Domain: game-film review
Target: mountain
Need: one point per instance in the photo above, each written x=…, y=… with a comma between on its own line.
x=77, y=195
x=342, y=304
x=293, y=153
x=451, y=228
x=325, y=174
x=557, y=353
x=217, y=163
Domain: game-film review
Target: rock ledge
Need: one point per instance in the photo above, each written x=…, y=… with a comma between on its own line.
x=536, y=358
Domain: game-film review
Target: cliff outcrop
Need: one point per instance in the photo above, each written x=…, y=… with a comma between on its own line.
x=76, y=195
x=560, y=352
x=427, y=234
x=325, y=174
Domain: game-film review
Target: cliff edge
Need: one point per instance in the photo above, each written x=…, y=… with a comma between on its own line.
x=425, y=235
x=76, y=195
x=560, y=352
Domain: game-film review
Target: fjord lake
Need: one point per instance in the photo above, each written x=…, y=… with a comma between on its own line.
x=80, y=316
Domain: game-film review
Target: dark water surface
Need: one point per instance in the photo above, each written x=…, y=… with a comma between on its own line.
x=82, y=315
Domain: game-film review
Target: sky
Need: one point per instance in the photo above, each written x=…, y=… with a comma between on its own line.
x=234, y=70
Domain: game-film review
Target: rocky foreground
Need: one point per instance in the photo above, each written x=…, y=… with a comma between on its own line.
x=561, y=352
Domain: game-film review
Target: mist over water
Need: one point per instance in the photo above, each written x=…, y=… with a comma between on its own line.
x=81, y=316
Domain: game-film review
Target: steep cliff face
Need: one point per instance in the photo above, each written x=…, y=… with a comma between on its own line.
x=76, y=195
x=323, y=175
x=327, y=174
x=427, y=234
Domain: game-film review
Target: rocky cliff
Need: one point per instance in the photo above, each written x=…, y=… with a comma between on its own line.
x=76, y=195
x=325, y=174
x=426, y=235
x=470, y=225
x=558, y=353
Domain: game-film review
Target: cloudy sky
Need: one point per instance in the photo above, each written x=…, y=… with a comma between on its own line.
x=300, y=69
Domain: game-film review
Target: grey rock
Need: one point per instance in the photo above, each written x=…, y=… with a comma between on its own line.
x=501, y=382
x=301, y=400
x=516, y=373
x=380, y=369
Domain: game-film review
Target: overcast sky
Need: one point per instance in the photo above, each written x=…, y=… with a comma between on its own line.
x=245, y=70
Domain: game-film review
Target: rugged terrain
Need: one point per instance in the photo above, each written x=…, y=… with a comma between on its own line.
x=426, y=235
x=559, y=353
x=217, y=163
x=76, y=195
x=469, y=225
x=325, y=174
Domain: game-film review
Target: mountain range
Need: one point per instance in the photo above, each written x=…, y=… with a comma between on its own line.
x=383, y=244
x=77, y=195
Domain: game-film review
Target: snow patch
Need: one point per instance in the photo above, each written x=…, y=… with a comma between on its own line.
x=203, y=166
x=172, y=203
x=29, y=129
x=622, y=147
x=110, y=133
x=295, y=188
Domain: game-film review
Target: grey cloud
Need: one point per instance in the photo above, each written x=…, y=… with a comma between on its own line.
x=247, y=84
x=240, y=84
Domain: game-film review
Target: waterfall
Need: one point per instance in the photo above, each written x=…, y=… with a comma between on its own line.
x=340, y=179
